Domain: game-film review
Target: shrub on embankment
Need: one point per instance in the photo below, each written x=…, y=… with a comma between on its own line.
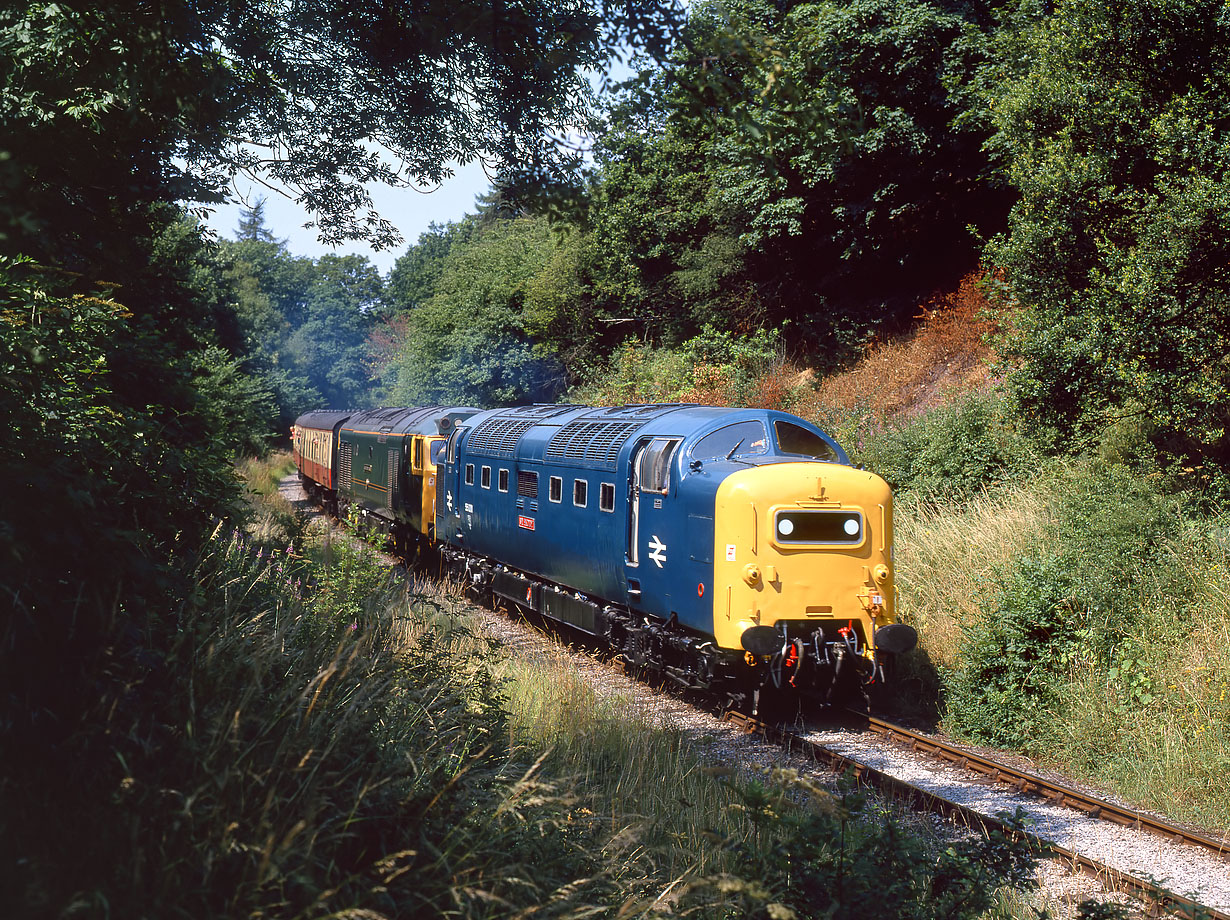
x=1080, y=616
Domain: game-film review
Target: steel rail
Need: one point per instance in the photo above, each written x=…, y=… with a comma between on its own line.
x=1032, y=784
x=1160, y=901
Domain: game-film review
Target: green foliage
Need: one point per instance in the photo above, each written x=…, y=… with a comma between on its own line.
x=117, y=463
x=713, y=367
x=413, y=277
x=815, y=855
x=107, y=105
x=473, y=341
x=949, y=453
x=815, y=161
x=244, y=402
x=1067, y=607
x=304, y=323
x=1113, y=124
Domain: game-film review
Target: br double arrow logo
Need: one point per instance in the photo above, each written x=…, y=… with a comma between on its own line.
x=657, y=551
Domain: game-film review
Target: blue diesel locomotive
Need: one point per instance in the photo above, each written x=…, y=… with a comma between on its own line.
x=729, y=549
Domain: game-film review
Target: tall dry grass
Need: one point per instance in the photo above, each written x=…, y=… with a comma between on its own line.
x=948, y=555
x=1156, y=727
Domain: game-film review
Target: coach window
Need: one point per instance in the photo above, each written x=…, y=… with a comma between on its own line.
x=606, y=498
x=557, y=489
x=469, y=474
x=503, y=480
x=580, y=493
x=486, y=477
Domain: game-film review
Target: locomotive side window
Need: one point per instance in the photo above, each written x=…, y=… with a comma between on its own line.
x=606, y=497
x=418, y=454
x=486, y=480
x=469, y=474
x=654, y=466
x=742, y=439
x=452, y=445
x=503, y=480
x=527, y=484
x=557, y=488
x=580, y=492
x=795, y=439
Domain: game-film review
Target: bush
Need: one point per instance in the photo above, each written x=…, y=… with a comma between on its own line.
x=949, y=453
x=814, y=854
x=713, y=368
x=1069, y=604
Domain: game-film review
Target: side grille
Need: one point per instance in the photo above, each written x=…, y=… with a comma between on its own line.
x=527, y=484
x=345, y=456
x=594, y=442
x=392, y=475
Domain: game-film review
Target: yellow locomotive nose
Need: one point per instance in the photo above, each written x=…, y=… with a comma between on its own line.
x=805, y=546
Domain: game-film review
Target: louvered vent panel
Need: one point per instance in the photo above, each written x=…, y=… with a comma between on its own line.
x=498, y=437
x=595, y=442
x=392, y=475
x=345, y=452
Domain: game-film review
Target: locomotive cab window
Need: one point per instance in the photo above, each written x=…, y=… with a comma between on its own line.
x=437, y=448
x=795, y=439
x=469, y=474
x=653, y=472
x=742, y=439
x=580, y=493
x=417, y=462
x=486, y=480
x=606, y=497
x=557, y=488
x=503, y=480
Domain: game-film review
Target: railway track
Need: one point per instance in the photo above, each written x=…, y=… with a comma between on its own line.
x=1159, y=900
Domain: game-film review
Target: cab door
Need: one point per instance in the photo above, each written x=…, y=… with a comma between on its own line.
x=448, y=492
x=653, y=526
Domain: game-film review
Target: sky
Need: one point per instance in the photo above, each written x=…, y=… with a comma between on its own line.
x=410, y=211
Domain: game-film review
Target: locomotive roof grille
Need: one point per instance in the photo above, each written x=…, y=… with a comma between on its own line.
x=498, y=436
x=590, y=441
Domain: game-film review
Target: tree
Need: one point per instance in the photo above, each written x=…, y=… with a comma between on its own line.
x=1115, y=127
x=252, y=224
x=107, y=106
x=845, y=142
x=820, y=162
x=473, y=340
x=329, y=347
